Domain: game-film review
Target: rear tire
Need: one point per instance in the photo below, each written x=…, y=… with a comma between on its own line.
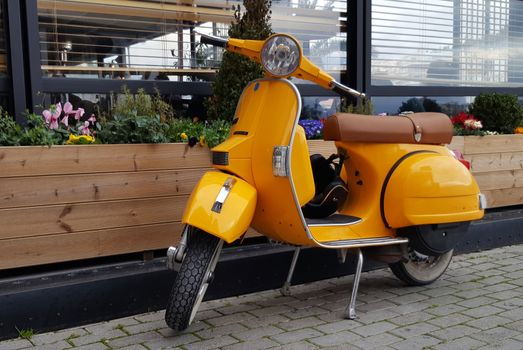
x=194, y=276
x=420, y=269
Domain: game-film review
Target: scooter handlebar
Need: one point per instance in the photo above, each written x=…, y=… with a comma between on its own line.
x=341, y=89
x=213, y=40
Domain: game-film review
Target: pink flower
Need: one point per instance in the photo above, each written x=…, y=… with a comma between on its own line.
x=79, y=113
x=92, y=119
x=47, y=116
x=65, y=120
x=54, y=122
x=57, y=109
x=84, y=129
x=68, y=108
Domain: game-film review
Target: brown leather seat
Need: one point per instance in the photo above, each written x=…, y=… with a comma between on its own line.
x=425, y=128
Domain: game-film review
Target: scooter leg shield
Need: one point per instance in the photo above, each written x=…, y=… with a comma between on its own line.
x=222, y=205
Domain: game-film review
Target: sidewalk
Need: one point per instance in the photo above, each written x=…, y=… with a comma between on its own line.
x=477, y=304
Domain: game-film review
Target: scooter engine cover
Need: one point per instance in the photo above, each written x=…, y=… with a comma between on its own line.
x=435, y=240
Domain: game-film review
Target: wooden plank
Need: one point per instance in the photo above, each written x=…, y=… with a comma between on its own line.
x=82, y=159
x=325, y=148
x=62, y=189
x=495, y=161
x=457, y=144
x=504, y=197
x=82, y=245
x=493, y=144
x=494, y=180
x=71, y=218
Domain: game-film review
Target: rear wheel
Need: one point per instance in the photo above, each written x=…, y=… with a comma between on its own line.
x=421, y=269
x=195, y=274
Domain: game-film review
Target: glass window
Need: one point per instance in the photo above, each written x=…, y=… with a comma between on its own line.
x=158, y=40
x=393, y=105
x=447, y=42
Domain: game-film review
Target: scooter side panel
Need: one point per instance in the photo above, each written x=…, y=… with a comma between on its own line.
x=430, y=188
x=236, y=213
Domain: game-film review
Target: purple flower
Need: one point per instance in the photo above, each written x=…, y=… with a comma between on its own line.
x=312, y=127
x=84, y=129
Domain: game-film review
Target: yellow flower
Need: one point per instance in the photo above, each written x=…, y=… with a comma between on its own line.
x=202, y=141
x=183, y=136
x=519, y=130
x=73, y=139
x=79, y=139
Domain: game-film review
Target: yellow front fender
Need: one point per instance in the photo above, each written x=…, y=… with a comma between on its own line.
x=222, y=205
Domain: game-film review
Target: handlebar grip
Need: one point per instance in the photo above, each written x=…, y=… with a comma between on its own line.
x=213, y=40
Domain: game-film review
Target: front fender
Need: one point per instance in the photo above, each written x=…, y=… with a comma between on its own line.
x=235, y=215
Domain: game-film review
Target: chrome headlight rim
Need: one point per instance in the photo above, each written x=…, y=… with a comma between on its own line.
x=296, y=48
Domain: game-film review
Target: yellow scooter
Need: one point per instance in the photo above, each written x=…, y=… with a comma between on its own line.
x=393, y=189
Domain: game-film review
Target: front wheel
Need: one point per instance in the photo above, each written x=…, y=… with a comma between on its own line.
x=421, y=269
x=195, y=274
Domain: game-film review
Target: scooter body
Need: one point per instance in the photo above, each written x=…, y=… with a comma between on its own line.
x=407, y=192
x=390, y=185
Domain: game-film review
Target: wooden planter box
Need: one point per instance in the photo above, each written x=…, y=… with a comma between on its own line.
x=67, y=203
x=76, y=202
x=497, y=165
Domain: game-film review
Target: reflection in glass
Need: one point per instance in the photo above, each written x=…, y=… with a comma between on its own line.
x=159, y=40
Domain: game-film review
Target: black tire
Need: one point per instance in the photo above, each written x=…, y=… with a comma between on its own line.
x=420, y=270
x=187, y=293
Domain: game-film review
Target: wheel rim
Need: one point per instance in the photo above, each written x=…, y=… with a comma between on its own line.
x=427, y=268
x=205, y=281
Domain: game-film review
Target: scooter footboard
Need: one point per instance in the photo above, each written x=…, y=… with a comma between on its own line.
x=429, y=188
x=222, y=205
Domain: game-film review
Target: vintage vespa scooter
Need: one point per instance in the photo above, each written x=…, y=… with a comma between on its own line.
x=394, y=191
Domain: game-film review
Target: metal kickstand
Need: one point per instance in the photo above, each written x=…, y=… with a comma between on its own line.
x=286, y=289
x=350, y=312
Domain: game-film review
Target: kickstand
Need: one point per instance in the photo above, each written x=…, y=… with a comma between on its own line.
x=350, y=312
x=286, y=289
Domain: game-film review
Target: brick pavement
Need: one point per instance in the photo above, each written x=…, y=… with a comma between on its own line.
x=478, y=304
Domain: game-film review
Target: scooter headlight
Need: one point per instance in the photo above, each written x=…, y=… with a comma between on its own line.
x=281, y=55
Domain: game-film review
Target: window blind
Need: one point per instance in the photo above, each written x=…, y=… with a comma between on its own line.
x=447, y=42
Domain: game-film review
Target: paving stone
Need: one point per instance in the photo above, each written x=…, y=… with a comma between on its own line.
x=60, y=345
x=171, y=342
x=445, y=309
x=101, y=346
x=339, y=338
x=270, y=310
x=265, y=321
x=214, y=332
x=437, y=292
x=375, y=316
x=380, y=305
x=212, y=343
x=291, y=337
x=450, y=320
x=461, y=343
x=232, y=309
x=454, y=332
x=495, y=334
x=489, y=322
x=234, y=318
x=310, y=311
x=514, y=315
x=94, y=338
x=409, y=308
x=258, y=333
x=301, y=323
x=509, y=304
x=376, y=342
x=151, y=316
x=421, y=342
x=257, y=344
x=482, y=311
x=409, y=298
x=517, y=326
x=101, y=328
x=134, y=339
x=411, y=318
x=15, y=344
x=505, y=295
x=130, y=347
x=374, y=328
x=335, y=327
x=475, y=302
x=145, y=327
x=414, y=330
x=507, y=344
x=302, y=345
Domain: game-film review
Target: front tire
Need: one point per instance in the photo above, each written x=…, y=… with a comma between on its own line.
x=421, y=269
x=193, y=278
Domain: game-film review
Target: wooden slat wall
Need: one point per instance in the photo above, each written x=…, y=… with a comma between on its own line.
x=497, y=164
x=75, y=202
